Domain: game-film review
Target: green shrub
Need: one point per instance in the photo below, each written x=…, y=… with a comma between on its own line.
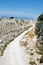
x=11, y=17
x=32, y=63
x=39, y=29
x=40, y=18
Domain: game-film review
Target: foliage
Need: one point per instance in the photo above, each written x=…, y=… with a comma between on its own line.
x=39, y=32
x=39, y=27
x=11, y=17
x=32, y=63
x=40, y=18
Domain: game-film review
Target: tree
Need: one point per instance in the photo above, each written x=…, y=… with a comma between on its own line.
x=39, y=29
x=40, y=18
x=39, y=25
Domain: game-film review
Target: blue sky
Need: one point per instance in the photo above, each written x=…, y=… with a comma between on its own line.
x=29, y=9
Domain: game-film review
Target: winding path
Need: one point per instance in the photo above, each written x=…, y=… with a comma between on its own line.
x=13, y=54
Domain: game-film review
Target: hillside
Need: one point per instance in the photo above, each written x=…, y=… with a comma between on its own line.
x=19, y=46
x=10, y=29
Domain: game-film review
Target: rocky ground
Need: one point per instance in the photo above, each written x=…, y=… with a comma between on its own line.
x=31, y=43
x=10, y=29
x=28, y=44
x=23, y=50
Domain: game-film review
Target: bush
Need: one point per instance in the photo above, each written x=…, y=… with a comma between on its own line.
x=32, y=63
x=39, y=32
x=39, y=25
x=40, y=18
x=11, y=17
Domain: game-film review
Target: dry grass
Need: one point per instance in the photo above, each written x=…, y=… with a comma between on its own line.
x=24, y=43
x=30, y=34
